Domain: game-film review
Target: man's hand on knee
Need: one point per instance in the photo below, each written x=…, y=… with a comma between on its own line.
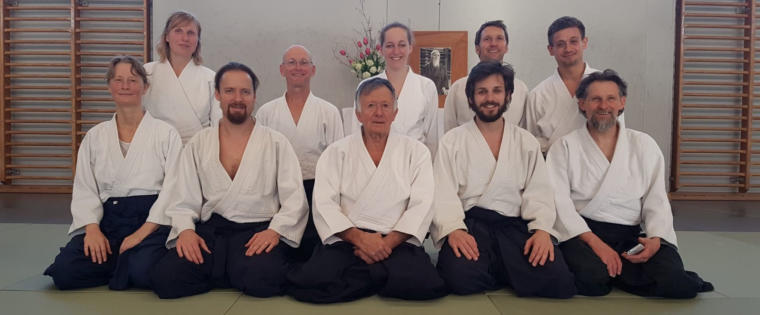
x=608, y=255
x=540, y=248
x=189, y=246
x=262, y=242
x=462, y=243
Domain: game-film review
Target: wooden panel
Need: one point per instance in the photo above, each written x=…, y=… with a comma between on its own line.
x=54, y=57
x=715, y=98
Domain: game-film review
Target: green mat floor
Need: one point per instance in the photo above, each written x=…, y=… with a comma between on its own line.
x=724, y=258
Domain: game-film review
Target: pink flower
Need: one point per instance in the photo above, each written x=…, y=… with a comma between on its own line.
x=359, y=44
x=366, y=41
x=350, y=61
x=367, y=51
x=377, y=47
x=342, y=52
x=361, y=56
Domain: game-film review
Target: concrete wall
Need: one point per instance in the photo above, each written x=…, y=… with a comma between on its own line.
x=636, y=38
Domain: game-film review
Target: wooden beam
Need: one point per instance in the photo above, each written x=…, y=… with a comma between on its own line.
x=714, y=196
x=675, y=169
x=50, y=189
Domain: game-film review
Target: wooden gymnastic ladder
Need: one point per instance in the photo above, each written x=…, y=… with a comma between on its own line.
x=55, y=55
x=716, y=115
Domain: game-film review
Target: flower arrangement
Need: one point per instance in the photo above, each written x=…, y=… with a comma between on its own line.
x=364, y=59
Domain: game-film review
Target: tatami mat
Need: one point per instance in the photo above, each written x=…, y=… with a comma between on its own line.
x=724, y=258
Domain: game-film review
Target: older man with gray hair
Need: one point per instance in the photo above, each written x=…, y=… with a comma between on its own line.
x=613, y=213
x=372, y=208
x=309, y=122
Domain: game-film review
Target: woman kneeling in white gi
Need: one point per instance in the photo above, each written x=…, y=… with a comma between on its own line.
x=372, y=199
x=118, y=232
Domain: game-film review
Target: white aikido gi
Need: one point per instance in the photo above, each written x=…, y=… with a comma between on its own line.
x=417, y=108
x=396, y=195
x=319, y=126
x=103, y=171
x=630, y=190
x=267, y=185
x=457, y=111
x=186, y=102
x=552, y=112
x=468, y=175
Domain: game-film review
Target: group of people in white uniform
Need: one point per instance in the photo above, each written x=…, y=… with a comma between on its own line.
x=544, y=192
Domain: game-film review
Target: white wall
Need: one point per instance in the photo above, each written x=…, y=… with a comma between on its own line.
x=636, y=38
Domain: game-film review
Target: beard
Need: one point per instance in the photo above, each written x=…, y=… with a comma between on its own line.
x=489, y=118
x=603, y=125
x=236, y=117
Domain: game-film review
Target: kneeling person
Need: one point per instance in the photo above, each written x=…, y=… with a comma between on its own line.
x=119, y=227
x=238, y=193
x=494, y=201
x=372, y=199
x=609, y=185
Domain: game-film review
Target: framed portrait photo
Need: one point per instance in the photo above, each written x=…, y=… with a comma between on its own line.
x=440, y=56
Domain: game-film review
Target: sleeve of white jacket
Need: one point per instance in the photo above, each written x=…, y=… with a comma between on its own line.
x=328, y=217
x=186, y=203
x=569, y=222
x=522, y=122
x=415, y=220
x=447, y=207
x=290, y=220
x=86, y=207
x=334, y=126
x=171, y=152
x=450, y=110
x=533, y=112
x=656, y=215
x=356, y=126
x=431, y=117
x=215, y=112
x=538, y=196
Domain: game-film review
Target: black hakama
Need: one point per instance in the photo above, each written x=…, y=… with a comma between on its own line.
x=310, y=239
x=663, y=275
x=261, y=275
x=122, y=216
x=501, y=263
x=335, y=274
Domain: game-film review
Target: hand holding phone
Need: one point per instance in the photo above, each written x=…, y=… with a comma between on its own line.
x=635, y=250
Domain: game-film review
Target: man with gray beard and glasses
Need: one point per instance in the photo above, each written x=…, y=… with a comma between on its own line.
x=609, y=184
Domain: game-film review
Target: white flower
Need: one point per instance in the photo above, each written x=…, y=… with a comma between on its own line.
x=365, y=75
x=373, y=70
x=358, y=66
x=370, y=63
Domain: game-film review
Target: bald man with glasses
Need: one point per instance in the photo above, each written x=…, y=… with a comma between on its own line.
x=309, y=122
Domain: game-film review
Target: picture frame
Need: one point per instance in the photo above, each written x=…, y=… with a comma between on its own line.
x=440, y=56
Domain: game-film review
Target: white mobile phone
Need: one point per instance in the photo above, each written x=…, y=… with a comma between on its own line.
x=635, y=250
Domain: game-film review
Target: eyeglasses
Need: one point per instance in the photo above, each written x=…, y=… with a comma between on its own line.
x=292, y=63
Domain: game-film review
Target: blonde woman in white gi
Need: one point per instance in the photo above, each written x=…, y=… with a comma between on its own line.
x=182, y=90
